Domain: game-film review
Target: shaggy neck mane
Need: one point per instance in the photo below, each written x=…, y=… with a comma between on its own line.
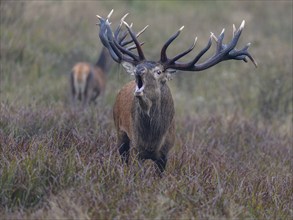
x=153, y=125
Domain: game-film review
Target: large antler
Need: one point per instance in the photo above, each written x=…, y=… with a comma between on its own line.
x=223, y=52
x=116, y=42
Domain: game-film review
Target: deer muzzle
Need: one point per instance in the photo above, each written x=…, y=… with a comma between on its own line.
x=139, y=85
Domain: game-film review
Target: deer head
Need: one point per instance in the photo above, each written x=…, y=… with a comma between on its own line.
x=144, y=109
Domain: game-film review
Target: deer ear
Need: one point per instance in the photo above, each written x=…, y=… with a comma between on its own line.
x=129, y=67
x=170, y=73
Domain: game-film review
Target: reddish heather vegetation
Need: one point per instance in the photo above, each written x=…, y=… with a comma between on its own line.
x=232, y=154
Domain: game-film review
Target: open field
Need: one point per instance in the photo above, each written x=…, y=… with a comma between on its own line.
x=233, y=153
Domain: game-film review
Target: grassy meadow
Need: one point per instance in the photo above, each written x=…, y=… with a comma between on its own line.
x=233, y=155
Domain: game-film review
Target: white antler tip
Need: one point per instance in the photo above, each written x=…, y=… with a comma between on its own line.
x=122, y=19
x=145, y=28
x=98, y=16
x=213, y=36
x=180, y=29
x=223, y=31
x=242, y=25
x=127, y=25
x=109, y=15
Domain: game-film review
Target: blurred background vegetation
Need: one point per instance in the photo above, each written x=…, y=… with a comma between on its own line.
x=40, y=42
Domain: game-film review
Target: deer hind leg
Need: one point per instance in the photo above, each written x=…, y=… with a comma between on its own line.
x=86, y=95
x=124, y=146
x=87, y=89
x=73, y=89
x=94, y=95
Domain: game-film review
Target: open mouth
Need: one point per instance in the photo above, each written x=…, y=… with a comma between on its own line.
x=139, y=86
x=139, y=82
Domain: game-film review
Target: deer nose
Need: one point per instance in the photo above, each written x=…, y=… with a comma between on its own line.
x=140, y=71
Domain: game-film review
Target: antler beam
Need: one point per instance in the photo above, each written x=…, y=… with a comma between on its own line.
x=223, y=52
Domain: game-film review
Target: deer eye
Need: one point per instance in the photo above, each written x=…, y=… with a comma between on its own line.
x=159, y=72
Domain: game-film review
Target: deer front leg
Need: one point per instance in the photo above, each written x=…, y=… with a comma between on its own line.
x=161, y=163
x=161, y=160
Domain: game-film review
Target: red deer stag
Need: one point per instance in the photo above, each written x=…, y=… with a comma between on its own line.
x=144, y=110
x=88, y=81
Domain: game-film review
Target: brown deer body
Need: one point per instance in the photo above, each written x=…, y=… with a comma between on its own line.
x=144, y=109
x=88, y=81
x=146, y=118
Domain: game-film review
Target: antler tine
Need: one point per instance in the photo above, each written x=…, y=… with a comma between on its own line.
x=164, y=57
x=252, y=60
x=242, y=54
x=123, y=36
x=236, y=36
x=214, y=37
x=177, y=57
x=120, y=40
x=139, y=33
x=220, y=40
x=112, y=44
x=126, y=51
x=223, y=52
x=202, y=52
x=109, y=15
x=138, y=47
x=120, y=44
x=249, y=56
x=123, y=18
x=196, y=59
x=130, y=41
x=133, y=46
x=242, y=25
x=117, y=31
x=234, y=30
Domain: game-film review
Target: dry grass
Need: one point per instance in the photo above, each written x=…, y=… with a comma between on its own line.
x=233, y=153
x=63, y=164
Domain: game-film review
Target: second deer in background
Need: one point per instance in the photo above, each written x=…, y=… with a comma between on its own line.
x=88, y=81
